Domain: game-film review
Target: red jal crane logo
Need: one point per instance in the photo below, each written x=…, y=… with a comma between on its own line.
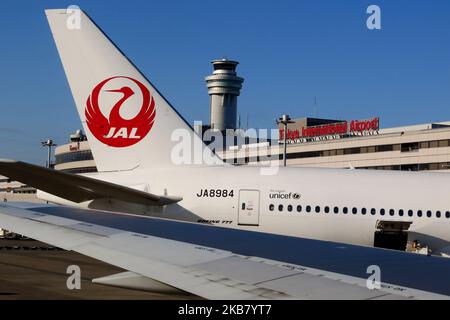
x=117, y=131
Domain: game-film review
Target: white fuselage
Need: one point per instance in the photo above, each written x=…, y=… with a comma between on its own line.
x=326, y=204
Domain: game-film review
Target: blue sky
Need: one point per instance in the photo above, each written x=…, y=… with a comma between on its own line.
x=290, y=52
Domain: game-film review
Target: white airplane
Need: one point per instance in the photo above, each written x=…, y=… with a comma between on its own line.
x=132, y=148
x=131, y=129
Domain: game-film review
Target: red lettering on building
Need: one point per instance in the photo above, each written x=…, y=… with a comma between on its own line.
x=325, y=130
x=291, y=134
x=333, y=129
x=367, y=125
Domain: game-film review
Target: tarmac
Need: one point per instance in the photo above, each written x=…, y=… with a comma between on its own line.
x=31, y=270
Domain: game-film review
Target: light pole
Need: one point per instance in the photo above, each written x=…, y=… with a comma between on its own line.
x=284, y=120
x=49, y=143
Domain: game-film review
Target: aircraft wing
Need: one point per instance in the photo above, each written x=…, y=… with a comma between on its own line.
x=77, y=188
x=222, y=263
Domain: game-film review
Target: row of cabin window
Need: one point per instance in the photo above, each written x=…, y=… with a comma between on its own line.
x=363, y=211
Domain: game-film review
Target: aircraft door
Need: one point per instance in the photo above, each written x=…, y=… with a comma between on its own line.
x=248, y=207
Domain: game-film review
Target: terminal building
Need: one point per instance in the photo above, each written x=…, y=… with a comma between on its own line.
x=14, y=187
x=75, y=156
x=355, y=144
x=310, y=142
x=11, y=190
x=364, y=145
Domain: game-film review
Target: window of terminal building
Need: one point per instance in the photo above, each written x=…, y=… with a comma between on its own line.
x=384, y=148
x=381, y=148
x=73, y=156
x=408, y=147
x=367, y=149
x=437, y=166
x=396, y=167
x=80, y=170
x=435, y=144
x=352, y=150
x=409, y=167
x=424, y=144
x=300, y=155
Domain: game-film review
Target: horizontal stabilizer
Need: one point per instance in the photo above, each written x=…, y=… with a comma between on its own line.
x=77, y=188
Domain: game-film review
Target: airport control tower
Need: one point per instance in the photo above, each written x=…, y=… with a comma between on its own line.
x=224, y=86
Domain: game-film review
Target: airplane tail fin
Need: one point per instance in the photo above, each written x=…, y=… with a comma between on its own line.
x=128, y=122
